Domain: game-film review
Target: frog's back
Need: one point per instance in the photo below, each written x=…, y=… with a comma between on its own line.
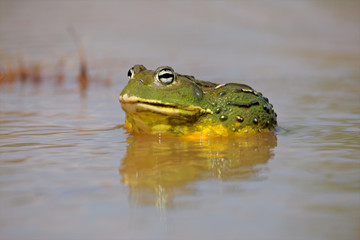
x=238, y=106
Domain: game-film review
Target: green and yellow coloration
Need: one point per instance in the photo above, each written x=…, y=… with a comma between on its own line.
x=166, y=102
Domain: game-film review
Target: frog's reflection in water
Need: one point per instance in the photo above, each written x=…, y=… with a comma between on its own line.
x=157, y=169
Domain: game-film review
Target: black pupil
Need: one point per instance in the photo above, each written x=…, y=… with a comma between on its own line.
x=167, y=75
x=129, y=73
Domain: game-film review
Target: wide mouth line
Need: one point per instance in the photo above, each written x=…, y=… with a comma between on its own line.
x=153, y=104
x=134, y=100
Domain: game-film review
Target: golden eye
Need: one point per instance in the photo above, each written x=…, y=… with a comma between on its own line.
x=165, y=75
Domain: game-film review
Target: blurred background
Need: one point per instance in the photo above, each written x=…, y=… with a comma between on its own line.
x=232, y=39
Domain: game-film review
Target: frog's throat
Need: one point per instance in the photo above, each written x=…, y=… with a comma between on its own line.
x=132, y=104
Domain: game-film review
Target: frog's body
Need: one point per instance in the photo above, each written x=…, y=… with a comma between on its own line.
x=166, y=102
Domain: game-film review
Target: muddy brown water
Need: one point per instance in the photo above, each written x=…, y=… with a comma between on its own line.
x=68, y=170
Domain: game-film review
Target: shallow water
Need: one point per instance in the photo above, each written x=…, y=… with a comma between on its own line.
x=68, y=170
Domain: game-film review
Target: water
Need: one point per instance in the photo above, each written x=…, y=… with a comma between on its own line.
x=68, y=170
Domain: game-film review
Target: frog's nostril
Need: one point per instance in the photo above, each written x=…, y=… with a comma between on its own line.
x=141, y=82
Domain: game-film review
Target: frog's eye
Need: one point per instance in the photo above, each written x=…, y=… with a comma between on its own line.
x=131, y=73
x=135, y=69
x=165, y=75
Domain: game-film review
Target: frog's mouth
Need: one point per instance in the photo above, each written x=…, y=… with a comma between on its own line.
x=136, y=105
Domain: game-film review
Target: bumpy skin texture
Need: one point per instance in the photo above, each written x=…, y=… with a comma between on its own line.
x=163, y=101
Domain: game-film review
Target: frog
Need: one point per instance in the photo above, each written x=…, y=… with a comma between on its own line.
x=166, y=102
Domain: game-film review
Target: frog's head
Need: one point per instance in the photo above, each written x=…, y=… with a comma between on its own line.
x=162, y=95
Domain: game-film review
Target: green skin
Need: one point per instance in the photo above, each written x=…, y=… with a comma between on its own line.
x=234, y=106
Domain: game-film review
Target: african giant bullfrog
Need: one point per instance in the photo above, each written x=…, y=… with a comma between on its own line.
x=166, y=102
